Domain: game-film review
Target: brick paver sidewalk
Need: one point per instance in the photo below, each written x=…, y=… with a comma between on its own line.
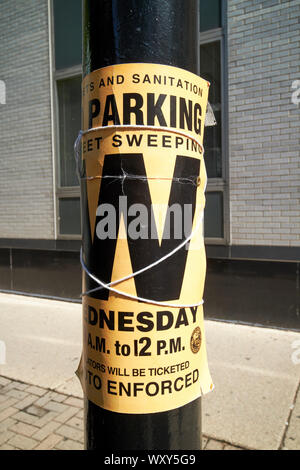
x=37, y=418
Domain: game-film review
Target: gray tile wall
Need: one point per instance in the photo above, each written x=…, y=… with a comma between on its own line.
x=264, y=123
x=26, y=194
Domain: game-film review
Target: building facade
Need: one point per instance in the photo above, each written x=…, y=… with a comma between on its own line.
x=250, y=52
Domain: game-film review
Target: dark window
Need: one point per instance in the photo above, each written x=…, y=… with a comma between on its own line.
x=210, y=14
x=69, y=216
x=213, y=215
x=67, y=33
x=69, y=103
x=210, y=69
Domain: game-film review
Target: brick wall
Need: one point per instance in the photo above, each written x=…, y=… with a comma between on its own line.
x=264, y=124
x=26, y=195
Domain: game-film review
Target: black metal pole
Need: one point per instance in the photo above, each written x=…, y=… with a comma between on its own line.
x=158, y=32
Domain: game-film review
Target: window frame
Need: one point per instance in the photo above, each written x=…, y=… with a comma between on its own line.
x=61, y=192
x=220, y=184
x=74, y=72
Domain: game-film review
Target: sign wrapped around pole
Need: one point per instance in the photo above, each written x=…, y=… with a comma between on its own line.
x=141, y=164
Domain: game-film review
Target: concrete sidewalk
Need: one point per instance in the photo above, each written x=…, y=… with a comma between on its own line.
x=256, y=371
